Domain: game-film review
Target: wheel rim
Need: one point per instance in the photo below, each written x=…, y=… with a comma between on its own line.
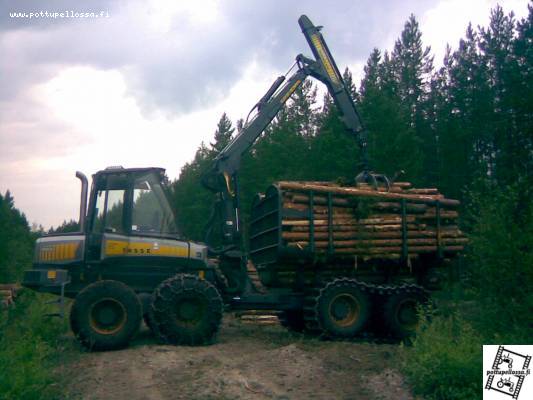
x=107, y=316
x=406, y=314
x=189, y=311
x=344, y=310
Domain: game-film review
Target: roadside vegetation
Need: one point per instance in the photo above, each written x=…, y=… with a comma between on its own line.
x=491, y=304
x=30, y=345
x=29, y=342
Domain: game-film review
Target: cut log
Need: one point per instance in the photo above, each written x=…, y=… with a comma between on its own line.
x=363, y=250
x=367, y=235
x=320, y=200
x=375, y=243
x=413, y=249
x=423, y=191
x=415, y=198
x=397, y=207
x=393, y=223
x=317, y=209
x=404, y=185
x=391, y=189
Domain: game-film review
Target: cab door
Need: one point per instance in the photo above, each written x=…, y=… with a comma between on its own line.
x=109, y=214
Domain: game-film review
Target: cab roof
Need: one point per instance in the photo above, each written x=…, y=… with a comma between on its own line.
x=113, y=170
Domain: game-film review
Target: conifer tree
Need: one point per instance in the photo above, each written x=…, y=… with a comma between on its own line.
x=392, y=144
x=223, y=134
x=412, y=65
x=16, y=241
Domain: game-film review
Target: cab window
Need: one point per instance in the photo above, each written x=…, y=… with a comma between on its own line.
x=114, y=220
x=109, y=213
x=151, y=212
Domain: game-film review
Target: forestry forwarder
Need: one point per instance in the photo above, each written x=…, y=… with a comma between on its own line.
x=128, y=261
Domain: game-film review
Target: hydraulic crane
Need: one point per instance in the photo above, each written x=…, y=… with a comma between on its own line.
x=223, y=177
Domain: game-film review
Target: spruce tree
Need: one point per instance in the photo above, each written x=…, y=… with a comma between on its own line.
x=392, y=144
x=223, y=134
x=412, y=66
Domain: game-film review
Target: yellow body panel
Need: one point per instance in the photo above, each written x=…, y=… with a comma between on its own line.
x=291, y=91
x=59, y=252
x=123, y=247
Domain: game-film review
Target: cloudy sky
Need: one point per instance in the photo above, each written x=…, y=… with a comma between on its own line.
x=147, y=81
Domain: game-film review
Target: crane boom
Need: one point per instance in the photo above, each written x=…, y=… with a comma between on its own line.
x=222, y=178
x=328, y=73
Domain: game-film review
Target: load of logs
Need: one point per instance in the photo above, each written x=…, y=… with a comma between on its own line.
x=8, y=293
x=367, y=221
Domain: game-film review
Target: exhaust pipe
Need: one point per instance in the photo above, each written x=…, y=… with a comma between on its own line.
x=83, y=201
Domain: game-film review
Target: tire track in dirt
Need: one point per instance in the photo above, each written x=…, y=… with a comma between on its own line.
x=246, y=362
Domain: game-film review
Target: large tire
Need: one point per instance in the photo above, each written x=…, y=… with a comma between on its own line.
x=105, y=315
x=186, y=311
x=342, y=308
x=293, y=320
x=400, y=311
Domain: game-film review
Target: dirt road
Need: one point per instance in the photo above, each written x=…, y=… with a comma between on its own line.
x=247, y=362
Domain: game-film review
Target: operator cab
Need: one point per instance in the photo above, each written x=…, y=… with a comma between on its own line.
x=132, y=202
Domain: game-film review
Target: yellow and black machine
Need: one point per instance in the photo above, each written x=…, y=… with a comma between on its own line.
x=127, y=245
x=129, y=261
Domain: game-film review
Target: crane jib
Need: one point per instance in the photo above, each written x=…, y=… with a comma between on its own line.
x=326, y=60
x=222, y=178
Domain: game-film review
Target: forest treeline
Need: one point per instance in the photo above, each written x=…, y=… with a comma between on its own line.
x=466, y=123
x=16, y=240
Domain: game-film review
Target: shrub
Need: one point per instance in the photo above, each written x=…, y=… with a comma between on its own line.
x=445, y=360
x=501, y=263
x=28, y=345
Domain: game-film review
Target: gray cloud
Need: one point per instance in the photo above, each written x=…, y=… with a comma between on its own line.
x=33, y=133
x=190, y=66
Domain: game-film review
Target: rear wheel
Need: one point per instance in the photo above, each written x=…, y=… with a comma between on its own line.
x=342, y=308
x=105, y=315
x=186, y=310
x=401, y=312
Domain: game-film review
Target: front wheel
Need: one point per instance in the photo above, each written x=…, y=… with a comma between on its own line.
x=186, y=310
x=105, y=315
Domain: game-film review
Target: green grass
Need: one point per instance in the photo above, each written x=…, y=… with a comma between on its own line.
x=29, y=348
